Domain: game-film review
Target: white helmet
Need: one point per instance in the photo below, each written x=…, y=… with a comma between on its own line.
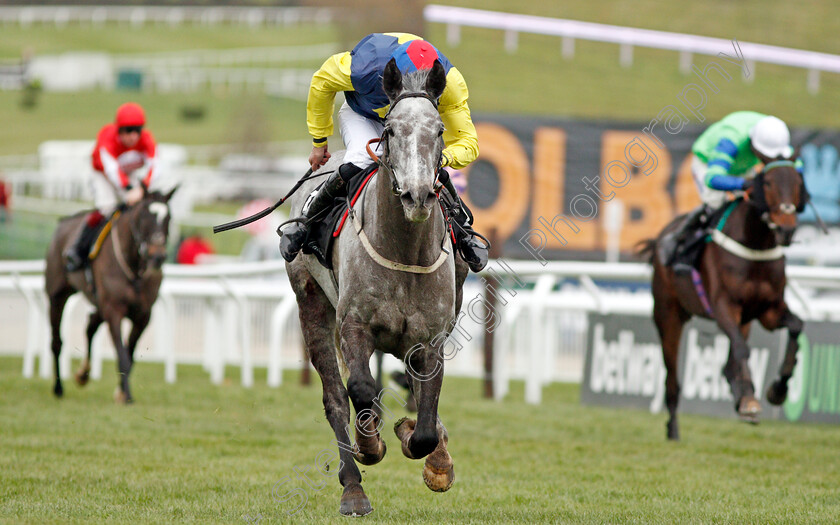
x=771, y=138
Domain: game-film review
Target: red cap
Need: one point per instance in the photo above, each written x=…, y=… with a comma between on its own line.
x=130, y=114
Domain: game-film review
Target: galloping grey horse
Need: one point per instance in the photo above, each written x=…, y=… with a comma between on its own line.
x=397, y=288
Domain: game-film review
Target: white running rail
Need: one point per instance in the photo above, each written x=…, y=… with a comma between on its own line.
x=244, y=315
x=627, y=37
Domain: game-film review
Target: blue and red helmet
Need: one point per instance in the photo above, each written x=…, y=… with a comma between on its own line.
x=415, y=55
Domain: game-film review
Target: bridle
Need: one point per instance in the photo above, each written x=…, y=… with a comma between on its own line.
x=759, y=200
x=142, y=244
x=383, y=139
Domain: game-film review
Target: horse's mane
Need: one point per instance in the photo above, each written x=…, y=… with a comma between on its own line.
x=415, y=82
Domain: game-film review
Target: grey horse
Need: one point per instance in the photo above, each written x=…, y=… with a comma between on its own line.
x=396, y=287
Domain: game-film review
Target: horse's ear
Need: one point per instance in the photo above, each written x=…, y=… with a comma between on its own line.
x=392, y=80
x=796, y=151
x=145, y=189
x=171, y=192
x=436, y=82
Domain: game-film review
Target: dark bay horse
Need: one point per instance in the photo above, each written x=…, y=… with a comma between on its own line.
x=742, y=270
x=396, y=288
x=126, y=277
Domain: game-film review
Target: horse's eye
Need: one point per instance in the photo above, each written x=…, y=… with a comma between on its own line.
x=389, y=131
x=440, y=132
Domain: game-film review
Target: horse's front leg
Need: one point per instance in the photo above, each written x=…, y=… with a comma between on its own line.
x=83, y=375
x=357, y=347
x=737, y=369
x=138, y=326
x=114, y=319
x=317, y=322
x=427, y=436
x=773, y=319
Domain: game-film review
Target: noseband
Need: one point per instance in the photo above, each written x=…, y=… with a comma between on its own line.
x=395, y=187
x=759, y=200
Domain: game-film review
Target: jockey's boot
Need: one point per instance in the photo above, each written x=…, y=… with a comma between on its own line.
x=475, y=253
x=76, y=254
x=672, y=242
x=294, y=234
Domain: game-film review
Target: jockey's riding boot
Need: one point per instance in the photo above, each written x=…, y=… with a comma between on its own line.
x=672, y=242
x=76, y=254
x=472, y=251
x=294, y=234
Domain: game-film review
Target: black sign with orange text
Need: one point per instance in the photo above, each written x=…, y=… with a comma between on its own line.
x=542, y=185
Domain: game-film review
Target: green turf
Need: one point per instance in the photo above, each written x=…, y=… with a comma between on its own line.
x=43, y=39
x=535, y=80
x=197, y=453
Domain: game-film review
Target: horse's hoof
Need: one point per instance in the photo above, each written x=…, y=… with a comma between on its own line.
x=673, y=432
x=82, y=377
x=439, y=472
x=121, y=398
x=404, y=428
x=777, y=393
x=58, y=390
x=354, y=502
x=749, y=409
x=371, y=459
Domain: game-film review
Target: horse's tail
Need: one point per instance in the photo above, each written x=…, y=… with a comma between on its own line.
x=646, y=250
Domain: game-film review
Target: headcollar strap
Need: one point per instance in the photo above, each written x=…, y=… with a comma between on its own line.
x=779, y=164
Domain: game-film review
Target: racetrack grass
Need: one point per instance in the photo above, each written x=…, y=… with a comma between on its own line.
x=535, y=80
x=197, y=453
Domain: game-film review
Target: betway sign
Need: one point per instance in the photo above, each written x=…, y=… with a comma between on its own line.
x=624, y=368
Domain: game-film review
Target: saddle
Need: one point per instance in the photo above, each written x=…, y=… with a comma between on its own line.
x=326, y=227
x=689, y=282
x=322, y=232
x=688, y=254
x=103, y=230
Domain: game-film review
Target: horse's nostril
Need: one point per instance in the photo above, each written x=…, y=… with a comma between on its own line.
x=406, y=199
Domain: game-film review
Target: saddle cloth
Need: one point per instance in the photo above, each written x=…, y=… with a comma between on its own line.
x=322, y=234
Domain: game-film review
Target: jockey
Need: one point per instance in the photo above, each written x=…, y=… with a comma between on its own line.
x=122, y=148
x=725, y=156
x=358, y=73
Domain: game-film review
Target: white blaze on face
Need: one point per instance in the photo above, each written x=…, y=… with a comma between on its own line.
x=160, y=210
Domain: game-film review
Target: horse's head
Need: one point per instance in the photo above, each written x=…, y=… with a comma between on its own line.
x=779, y=193
x=412, y=137
x=150, y=227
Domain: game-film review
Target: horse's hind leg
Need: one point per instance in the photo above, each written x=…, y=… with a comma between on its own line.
x=427, y=436
x=771, y=320
x=357, y=347
x=317, y=320
x=83, y=375
x=57, y=302
x=670, y=318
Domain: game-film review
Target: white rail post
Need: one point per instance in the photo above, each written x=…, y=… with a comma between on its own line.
x=536, y=350
x=568, y=47
x=279, y=323
x=511, y=40
x=165, y=337
x=453, y=34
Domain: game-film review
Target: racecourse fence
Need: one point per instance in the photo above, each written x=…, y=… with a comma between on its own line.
x=245, y=315
x=626, y=37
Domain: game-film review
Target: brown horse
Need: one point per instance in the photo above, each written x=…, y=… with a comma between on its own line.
x=742, y=271
x=124, y=281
